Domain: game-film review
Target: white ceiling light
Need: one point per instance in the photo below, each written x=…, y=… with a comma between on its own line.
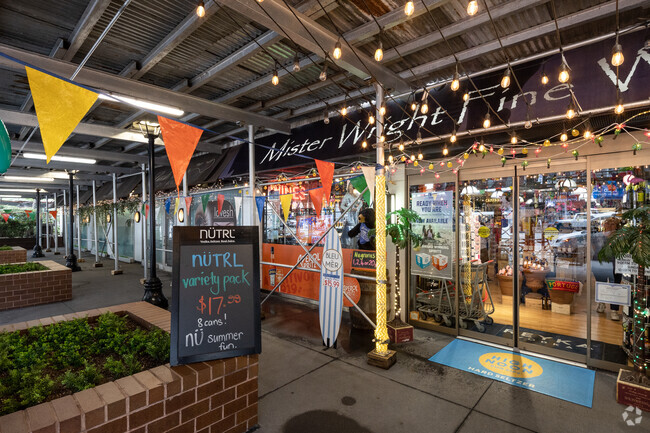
x=4, y=196
x=159, y=108
x=19, y=190
x=41, y=156
x=27, y=179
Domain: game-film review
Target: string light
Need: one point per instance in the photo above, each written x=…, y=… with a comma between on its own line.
x=390, y=158
x=414, y=106
x=617, y=54
x=418, y=138
x=466, y=96
x=275, y=80
x=564, y=76
x=296, y=64
x=409, y=8
x=337, y=50
x=379, y=52
x=513, y=139
x=371, y=119
x=472, y=8
x=344, y=110
x=571, y=109
x=528, y=124
x=382, y=110
x=452, y=138
x=587, y=134
x=544, y=78
x=487, y=122
x=401, y=147
x=420, y=156
x=424, y=109
x=326, y=117
x=200, y=10
x=564, y=137
x=364, y=144
x=455, y=82
x=619, y=109
x=481, y=147
x=505, y=81
x=323, y=73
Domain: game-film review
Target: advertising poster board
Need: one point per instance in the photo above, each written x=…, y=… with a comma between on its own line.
x=215, y=294
x=434, y=259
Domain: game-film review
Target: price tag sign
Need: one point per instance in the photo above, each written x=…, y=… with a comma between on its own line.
x=215, y=294
x=610, y=293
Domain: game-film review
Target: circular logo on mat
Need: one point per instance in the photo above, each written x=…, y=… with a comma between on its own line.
x=332, y=260
x=510, y=364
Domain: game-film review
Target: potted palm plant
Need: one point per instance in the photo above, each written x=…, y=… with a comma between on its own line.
x=401, y=234
x=633, y=238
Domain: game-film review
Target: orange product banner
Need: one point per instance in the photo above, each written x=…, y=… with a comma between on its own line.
x=303, y=283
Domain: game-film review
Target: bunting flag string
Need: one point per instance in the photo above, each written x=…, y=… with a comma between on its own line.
x=359, y=183
x=168, y=204
x=326, y=173
x=238, y=201
x=285, y=200
x=205, y=198
x=180, y=142
x=5, y=216
x=188, y=203
x=59, y=107
x=53, y=213
x=146, y=210
x=220, y=200
x=259, y=201
x=29, y=213
x=176, y=203
x=316, y=196
x=369, y=175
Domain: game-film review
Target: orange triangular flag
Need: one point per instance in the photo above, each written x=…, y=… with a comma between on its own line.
x=188, y=202
x=316, y=196
x=180, y=141
x=53, y=213
x=285, y=199
x=59, y=106
x=326, y=173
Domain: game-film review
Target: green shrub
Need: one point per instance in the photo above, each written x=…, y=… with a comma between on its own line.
x=21, y=267
x=6, y=248
x=74, y=355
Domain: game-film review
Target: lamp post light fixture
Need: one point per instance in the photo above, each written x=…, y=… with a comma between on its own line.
x=71, y=259
x=38, y=251
x=152, y=286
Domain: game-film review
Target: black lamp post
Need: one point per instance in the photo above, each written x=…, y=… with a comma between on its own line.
x=38, y=251
x=152, y=286
x=71, y=259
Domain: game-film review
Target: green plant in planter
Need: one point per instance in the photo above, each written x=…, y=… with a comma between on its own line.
x=21, y=267
x=6, y=248
x=401, y=234
x=633, y=238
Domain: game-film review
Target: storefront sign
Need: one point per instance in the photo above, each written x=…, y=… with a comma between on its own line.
x=563, y=285
x=484, y=232
x=212, y=217
x=626, y=266
x=610, y=293
x=551, y=233
x=330, y=301
x=215, y=294
x=593, y=81
x=434, y=258
x=303, y=283
x=364, y=260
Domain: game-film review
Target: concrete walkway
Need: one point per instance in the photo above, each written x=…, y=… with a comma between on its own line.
x=305, y=389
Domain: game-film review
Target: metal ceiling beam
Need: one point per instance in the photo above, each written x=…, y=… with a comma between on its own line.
x=583, y=16
x=305, y=32
x=86, y=168
x=136, y=89
x=61, y=183
x=25, y=119
x=85, y=25
x=185, y=28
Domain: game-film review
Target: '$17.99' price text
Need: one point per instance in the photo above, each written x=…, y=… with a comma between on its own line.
x=216, y=303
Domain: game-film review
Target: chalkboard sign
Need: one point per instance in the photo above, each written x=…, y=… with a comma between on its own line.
x=363, y=259
x=215, y=293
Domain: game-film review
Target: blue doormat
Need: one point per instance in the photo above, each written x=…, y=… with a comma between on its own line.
x=563, y=381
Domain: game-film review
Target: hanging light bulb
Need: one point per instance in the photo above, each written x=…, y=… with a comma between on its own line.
x=379, y=52
x=587, y=134
x=564, y=76
x=337, y=50
x=409, y=7
x=445, y=151
x=414, y=106
x=418, y=138
x=371, y=119
x=200, y=10
x=364, y=144
x=513, y=139
x=455, y=82
x=390, y=158
x=481, y=147
x=424, y=109
x=528, y=124
x=275, y=80
x=472, y=8
x=571, y=110
x=505, y=80
x=326, y=117
x=466, y=96
x=544, y=78
x=344, y=110
x=296, y=63
x=617, y=54
x=382, y=110
x=453, y=137
x=564, y=137
x=323, y=73
x=487, y=122
x=401, y=146
x=382, y=138
x=619, y=106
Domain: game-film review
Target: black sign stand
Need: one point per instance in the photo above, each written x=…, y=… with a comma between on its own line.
x=215, y=293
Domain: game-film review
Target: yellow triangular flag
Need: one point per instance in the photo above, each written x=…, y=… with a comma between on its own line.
x=285, y=199
x=176, y=205
x=59, y=105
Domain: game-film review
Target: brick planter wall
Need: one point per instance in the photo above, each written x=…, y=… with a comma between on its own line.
x=15, y=255
x=214, y=396
x=28, y=243
x=36, y=287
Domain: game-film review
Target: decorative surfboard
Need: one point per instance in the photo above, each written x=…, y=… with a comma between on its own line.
x=330, y=305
